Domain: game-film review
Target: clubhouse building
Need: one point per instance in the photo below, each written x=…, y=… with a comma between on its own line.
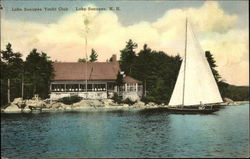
x=92, y=80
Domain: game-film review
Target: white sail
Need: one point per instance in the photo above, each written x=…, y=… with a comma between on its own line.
x=199, y=85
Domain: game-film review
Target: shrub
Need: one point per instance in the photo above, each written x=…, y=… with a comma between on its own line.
x=128, y=101
x=70, y=100
x=117, y=99
x=146, y=100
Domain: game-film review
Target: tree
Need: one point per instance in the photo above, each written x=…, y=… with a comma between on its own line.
x=110, y=59
x=93, y=56
x=11, y=74
x=223, y=86
x=82, y=60
x=212, y=64
x=158, y=71
x=127, y=57
x=119, y=81
x=38, y=72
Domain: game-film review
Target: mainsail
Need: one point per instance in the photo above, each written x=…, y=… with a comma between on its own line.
x=197, y=85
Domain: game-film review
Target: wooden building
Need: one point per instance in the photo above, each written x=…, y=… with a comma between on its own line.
x=91, y=80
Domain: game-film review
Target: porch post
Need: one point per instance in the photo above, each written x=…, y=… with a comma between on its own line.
x=136, y=87
x=50, y=88
x=126, y=87
x=106, y=86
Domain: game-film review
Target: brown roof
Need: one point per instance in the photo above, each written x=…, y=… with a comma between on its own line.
x=77, y=70
x=128, y=79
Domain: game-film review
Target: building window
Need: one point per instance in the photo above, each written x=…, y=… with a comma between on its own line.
x=72, y=87
x=131, y=87
x=90, y=87
x=57, y=88
x=99, y=87
x=82, y=88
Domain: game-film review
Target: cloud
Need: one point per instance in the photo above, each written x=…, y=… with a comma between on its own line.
x=64, y=39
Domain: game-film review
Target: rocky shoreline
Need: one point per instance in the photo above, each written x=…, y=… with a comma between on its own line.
x=35, y=105
x=18, y=106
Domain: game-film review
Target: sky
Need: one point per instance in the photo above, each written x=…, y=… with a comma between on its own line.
x=222, y=27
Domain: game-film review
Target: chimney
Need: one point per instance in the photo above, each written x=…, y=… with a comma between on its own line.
x=114, y=58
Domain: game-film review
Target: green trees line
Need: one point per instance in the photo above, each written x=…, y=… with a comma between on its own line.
x=24, y=78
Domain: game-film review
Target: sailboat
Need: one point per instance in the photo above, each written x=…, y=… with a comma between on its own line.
x=195, y=90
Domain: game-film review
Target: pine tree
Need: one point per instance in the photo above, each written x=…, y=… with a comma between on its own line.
x=127, y=57
x=93, y=56
x=38, y=72
x=212, y=65
x=11, y=74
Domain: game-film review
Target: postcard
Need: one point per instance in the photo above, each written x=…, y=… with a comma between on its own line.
x=124, y=79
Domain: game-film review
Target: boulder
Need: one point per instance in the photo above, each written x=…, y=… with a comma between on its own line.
x=67, y=107
x=56, y=105
x=35, y=103
x=125, y=105
x=95, y=103
x=12, y=108
x=108, y=102
x=151, y=104
x=17, y=101
x=82, y=103
x=228, y=100
x=139, y=104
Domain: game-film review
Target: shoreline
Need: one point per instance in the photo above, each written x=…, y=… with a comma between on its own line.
x=125, y=107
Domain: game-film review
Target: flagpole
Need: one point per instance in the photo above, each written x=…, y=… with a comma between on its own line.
x=86, y=22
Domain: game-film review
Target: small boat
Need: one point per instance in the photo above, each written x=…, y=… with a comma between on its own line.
x=195, y=90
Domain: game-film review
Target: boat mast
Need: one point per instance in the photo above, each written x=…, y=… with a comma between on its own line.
x=185, y=59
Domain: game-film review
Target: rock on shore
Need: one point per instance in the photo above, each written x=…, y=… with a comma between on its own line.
x=19, y=105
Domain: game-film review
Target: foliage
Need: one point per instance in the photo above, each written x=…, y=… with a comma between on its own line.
x=82, y=60
x=70, y=100
x=93, y=56
x=116, y=98
x=212, y=64
x=119, y=79
x=128, y=101
x=127, y=57
x=38, y=74
x=110, y=59
x=158, y=72
x=237, y=93
x=11, y=68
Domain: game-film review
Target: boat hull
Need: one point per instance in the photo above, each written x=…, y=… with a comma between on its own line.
x=192, y=110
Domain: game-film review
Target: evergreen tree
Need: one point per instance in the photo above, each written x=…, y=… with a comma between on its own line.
x=127, y=57
x=158, y=72
x=38, y=72
x=223, y=86
x=212, y=65
x=119, y=81
x=11, y=74
x=93, y=56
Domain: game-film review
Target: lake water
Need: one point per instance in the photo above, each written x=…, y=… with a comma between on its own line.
x=126, y=134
